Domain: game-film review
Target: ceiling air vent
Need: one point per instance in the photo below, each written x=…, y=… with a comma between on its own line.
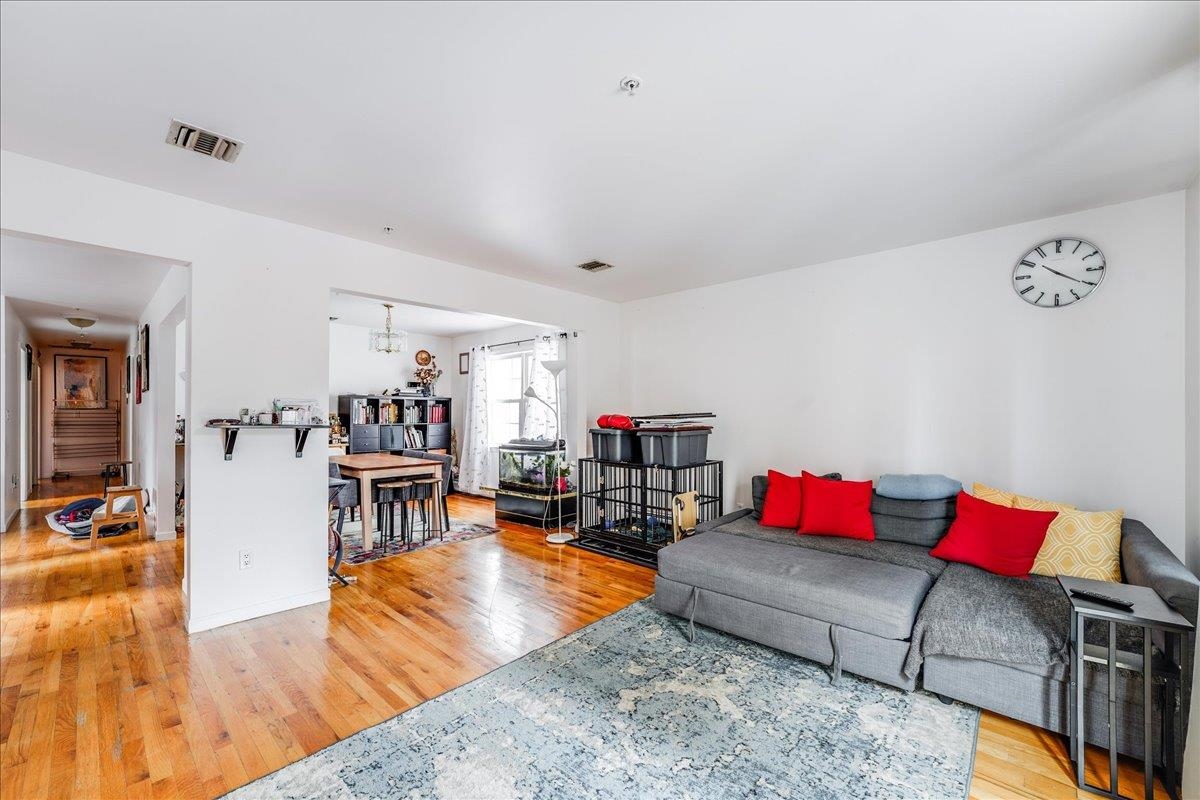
x=594, y=266
x=206, y=143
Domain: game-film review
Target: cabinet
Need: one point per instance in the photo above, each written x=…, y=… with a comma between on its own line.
x=383, y=423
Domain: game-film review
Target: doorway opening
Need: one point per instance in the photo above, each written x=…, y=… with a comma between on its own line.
x=84, y=336
x=408, y=380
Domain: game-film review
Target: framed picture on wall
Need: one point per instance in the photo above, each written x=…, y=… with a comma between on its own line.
x=28, y=363
x=464, y=363
x=128, y=386
x=80, y=381
x=137, y=380
x=144, y=358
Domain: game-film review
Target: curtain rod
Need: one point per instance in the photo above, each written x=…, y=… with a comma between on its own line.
x=560, y=334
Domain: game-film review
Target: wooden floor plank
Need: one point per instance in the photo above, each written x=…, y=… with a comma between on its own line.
x=103, y=695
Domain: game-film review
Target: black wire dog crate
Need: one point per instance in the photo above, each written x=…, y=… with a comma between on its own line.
x=625, y=509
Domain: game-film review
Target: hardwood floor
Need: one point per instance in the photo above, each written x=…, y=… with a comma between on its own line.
x=103, y=695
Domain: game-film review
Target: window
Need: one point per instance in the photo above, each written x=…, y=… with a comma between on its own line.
x=508, y=375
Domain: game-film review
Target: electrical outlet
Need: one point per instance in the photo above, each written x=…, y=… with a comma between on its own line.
x=244, y=559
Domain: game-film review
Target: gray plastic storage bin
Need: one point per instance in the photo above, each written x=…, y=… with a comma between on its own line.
x=674, y=447
x=609, y=444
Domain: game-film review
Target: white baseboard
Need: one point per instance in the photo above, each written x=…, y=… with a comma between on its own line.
x=8, y=521
x=197, y=624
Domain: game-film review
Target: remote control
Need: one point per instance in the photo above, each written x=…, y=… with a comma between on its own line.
x=1103, y=599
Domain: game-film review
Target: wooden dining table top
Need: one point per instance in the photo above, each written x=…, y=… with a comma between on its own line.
x=369, y=461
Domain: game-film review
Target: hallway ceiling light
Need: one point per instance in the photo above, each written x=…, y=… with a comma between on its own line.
x=81, y=319
x=388, y=340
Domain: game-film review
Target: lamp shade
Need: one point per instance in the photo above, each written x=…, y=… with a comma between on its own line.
x=554, y=366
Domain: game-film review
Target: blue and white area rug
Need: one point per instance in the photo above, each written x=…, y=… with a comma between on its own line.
x=628, y=708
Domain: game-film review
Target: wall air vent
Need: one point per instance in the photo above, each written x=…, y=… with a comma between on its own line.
x=206, y=143
x=594, y=266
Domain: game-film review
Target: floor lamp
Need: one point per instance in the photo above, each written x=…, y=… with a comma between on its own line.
x=555, y=367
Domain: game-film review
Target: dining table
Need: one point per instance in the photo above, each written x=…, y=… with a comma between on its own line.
x=368, y=467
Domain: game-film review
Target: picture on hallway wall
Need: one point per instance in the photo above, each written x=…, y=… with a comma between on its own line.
x=137, y=379
x=144, y=359
x=128, y=385
x=80, y=381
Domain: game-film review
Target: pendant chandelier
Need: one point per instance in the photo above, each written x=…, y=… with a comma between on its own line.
x=388, y=340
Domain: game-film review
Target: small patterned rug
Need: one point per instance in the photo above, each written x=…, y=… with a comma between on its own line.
x=355, y=554
x=628, y=708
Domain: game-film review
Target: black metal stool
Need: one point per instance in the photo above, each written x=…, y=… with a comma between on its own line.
x=434, y=486
x=387, y=521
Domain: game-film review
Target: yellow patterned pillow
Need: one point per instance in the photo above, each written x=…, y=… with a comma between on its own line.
x=1033, y=504
x=1082, y=544
x=990, y=495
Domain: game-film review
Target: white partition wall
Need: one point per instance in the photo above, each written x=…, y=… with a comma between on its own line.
x=258, y=315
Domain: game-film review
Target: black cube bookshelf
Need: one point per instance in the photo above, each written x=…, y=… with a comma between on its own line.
x=385, y=423
x=624, y=510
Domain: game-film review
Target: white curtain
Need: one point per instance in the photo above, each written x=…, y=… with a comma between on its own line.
x=472, y=474
x=539, y=420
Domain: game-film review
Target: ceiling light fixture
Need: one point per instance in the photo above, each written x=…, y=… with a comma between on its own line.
x=388, y=340
x=81, y=319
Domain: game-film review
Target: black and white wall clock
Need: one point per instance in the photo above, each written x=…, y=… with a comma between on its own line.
x=1058, y=273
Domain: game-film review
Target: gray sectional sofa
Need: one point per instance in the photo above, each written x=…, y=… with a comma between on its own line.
x=888, y=610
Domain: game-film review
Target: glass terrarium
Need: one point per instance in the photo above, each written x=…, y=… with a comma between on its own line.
x=535, y=471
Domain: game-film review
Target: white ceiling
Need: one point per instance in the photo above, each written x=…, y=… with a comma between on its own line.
x=766, y=136
x=46, y=279
x=368, y=312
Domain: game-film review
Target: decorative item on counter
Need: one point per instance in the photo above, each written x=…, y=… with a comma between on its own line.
x=246, y=416
x=265, y=418
x=427, y=375
x=297, y=412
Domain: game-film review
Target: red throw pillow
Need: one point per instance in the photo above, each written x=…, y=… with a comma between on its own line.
x=781, y=506
x=836, y=508
x=996, y=538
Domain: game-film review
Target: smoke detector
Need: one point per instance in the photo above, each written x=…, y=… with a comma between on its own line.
x=594, y=266
x=630, y=84
x=206, y=143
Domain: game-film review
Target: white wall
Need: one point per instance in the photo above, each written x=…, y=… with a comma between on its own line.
x=12, y=376
x=180, y=373
x=154, y=417
x=1192, y=370
x=922, y=359
x=355, y=369
x=258, y=316
x=1191, y=770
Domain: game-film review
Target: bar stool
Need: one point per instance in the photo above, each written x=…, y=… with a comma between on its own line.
x=435, y=512
x=133, y=511
x=115, y=469
x=400, y=491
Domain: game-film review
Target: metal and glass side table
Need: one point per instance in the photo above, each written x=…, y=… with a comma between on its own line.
x=1149, y=613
